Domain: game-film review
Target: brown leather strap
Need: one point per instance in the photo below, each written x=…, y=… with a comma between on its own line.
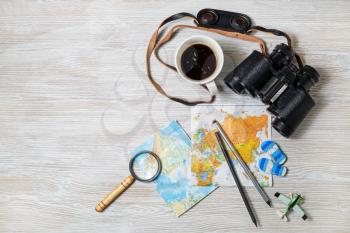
x=157, y=41
x=236, y=35
x=279, y=33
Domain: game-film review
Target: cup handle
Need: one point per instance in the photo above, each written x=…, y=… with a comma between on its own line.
x=213, y=89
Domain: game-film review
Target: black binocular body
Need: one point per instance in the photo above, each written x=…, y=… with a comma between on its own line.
x=279, y=84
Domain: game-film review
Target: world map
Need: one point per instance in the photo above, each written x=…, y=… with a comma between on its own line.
x=173, y=146
x=246, y=126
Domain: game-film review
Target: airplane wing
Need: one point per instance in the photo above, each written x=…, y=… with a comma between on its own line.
x=299, y=212
x=284, y=199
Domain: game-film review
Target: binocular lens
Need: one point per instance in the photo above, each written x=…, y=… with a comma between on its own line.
x=209, y=18
x=240, y=22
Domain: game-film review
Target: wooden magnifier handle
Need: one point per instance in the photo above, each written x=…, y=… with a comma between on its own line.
x=124, y=185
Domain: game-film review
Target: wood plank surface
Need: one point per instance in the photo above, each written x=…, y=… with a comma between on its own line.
x=74, y=99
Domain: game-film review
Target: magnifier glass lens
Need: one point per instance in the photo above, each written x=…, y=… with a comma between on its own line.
x=145, y=166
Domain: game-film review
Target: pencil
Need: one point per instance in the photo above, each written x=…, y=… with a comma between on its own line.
x=235, y=177
x=242, y=163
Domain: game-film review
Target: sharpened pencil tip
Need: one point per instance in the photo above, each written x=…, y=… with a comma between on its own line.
x=269, y=203
x=255, y=223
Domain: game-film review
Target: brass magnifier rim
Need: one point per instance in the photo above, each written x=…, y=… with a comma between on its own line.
x=132, y=162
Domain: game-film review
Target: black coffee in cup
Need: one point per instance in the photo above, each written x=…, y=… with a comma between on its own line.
x=198, y=62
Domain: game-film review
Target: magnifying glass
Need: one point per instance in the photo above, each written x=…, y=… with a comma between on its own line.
x=145, y=166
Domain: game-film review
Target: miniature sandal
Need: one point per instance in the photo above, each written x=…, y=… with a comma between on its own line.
x=269, y=167
x=272, y=149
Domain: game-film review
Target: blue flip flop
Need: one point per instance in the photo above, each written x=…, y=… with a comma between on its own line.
x=272, y=149
x=269, y=167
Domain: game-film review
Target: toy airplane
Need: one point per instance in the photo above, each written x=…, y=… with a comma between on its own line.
x=292, y=203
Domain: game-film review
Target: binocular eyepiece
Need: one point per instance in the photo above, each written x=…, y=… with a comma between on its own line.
x=279, y=84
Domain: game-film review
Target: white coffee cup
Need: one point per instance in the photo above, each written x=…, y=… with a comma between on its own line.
x=219, y=56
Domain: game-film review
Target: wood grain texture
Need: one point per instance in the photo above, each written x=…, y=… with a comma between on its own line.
x=74, y=98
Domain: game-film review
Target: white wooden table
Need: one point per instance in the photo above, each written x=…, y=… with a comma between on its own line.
x=74, y=99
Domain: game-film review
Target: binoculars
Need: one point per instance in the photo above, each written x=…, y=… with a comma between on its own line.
x=278, y=83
